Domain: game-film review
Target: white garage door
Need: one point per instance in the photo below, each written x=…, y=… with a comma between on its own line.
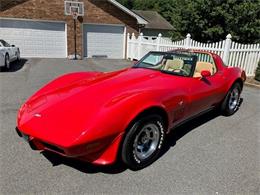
x=35, y=38
x=103, y=40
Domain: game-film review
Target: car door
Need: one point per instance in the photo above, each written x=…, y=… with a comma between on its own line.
x=205, y=92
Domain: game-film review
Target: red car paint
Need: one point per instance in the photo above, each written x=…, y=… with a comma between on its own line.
x=84, y=115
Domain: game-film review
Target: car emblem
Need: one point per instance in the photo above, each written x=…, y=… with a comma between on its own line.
x=38, y=115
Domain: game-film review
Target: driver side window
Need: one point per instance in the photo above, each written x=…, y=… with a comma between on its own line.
x=5, y=44
x=204, y=62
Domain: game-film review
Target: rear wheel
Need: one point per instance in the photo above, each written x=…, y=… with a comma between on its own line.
x=143, y=142
x=231, y=102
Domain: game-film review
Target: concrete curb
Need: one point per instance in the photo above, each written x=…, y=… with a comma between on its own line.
x=252, y=85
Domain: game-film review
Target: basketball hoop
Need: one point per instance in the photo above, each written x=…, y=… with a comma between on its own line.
x=70, y=7
x=75, y=9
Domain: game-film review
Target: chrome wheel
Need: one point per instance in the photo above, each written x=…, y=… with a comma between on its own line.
x=146, y=141
x=233, y=99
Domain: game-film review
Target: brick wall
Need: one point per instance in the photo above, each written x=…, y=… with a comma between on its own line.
x=96, y=11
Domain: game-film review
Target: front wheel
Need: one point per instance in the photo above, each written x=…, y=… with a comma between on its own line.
x=231, y=102
x=7, y=61
x=143, y=142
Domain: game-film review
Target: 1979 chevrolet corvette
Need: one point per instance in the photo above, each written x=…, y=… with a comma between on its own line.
x=100, y=117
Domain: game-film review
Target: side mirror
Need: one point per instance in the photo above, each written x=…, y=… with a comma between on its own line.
x=13, y=45
x=205, y=73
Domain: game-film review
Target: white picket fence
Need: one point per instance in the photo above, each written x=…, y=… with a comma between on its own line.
x=245, y=56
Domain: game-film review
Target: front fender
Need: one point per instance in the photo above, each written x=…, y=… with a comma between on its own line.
x=112, y=121
x=63, y=81
x=133, y=104
x=114, y=117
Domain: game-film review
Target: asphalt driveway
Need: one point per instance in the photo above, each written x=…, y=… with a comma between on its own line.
x=209, y=155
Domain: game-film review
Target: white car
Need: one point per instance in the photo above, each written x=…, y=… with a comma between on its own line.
x=8, y=54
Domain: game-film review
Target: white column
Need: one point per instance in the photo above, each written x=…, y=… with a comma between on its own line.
x=187, y=41
x=158, y=42
x=133, y=45
x=128, y=46
x=226, y=49
x=140, y=38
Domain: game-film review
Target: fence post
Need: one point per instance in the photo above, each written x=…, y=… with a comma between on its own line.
x=133, y=45
x=187, y=41
x=128, y=46
x=140, y=38
x=158, y=42
x=227, y=48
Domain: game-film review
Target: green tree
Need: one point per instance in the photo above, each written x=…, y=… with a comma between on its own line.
x=208, y=21
x=127, y=3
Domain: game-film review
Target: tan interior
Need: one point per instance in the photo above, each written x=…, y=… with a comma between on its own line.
x=174, y=64
x=200, y=66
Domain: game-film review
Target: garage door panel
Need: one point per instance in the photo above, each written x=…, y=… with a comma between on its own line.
x=37, y=25
x=104, y=29
x=103, y=40
x=34, y=38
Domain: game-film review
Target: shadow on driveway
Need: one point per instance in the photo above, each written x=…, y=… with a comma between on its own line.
x=82, y=166
x=15, y=66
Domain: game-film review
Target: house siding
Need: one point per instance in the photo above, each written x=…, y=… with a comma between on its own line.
x=100, y=11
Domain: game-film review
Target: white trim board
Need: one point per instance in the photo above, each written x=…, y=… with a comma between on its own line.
x=139, y=19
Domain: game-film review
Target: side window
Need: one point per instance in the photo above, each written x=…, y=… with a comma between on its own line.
x=5, y=44
x=207, y=58
x=204, y=57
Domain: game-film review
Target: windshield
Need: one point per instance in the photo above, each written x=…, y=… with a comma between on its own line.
x=178, y=63
x=5, y=44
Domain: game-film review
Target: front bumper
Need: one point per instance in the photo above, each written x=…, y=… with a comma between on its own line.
x=37, y=144
x=99, y=152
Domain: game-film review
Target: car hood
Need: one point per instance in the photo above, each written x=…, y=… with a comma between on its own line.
x=67, y=107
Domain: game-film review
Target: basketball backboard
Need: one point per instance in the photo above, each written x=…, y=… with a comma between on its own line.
x=73, y=8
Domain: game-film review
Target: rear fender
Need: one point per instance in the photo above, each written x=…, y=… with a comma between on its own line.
x=235, y=74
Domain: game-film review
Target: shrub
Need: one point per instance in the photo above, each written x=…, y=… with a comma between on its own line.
x=257, y=72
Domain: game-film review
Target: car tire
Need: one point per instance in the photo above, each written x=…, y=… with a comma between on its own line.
x=18, y=57
x=143, y=142
x=232, y=100
x=7, y=61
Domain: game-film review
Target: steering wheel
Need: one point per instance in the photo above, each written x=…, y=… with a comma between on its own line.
x=182, y=70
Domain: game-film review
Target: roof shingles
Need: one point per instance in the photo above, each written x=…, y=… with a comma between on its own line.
x=155, y=20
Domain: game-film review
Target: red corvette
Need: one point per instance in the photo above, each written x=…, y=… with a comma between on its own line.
x=97, y=117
